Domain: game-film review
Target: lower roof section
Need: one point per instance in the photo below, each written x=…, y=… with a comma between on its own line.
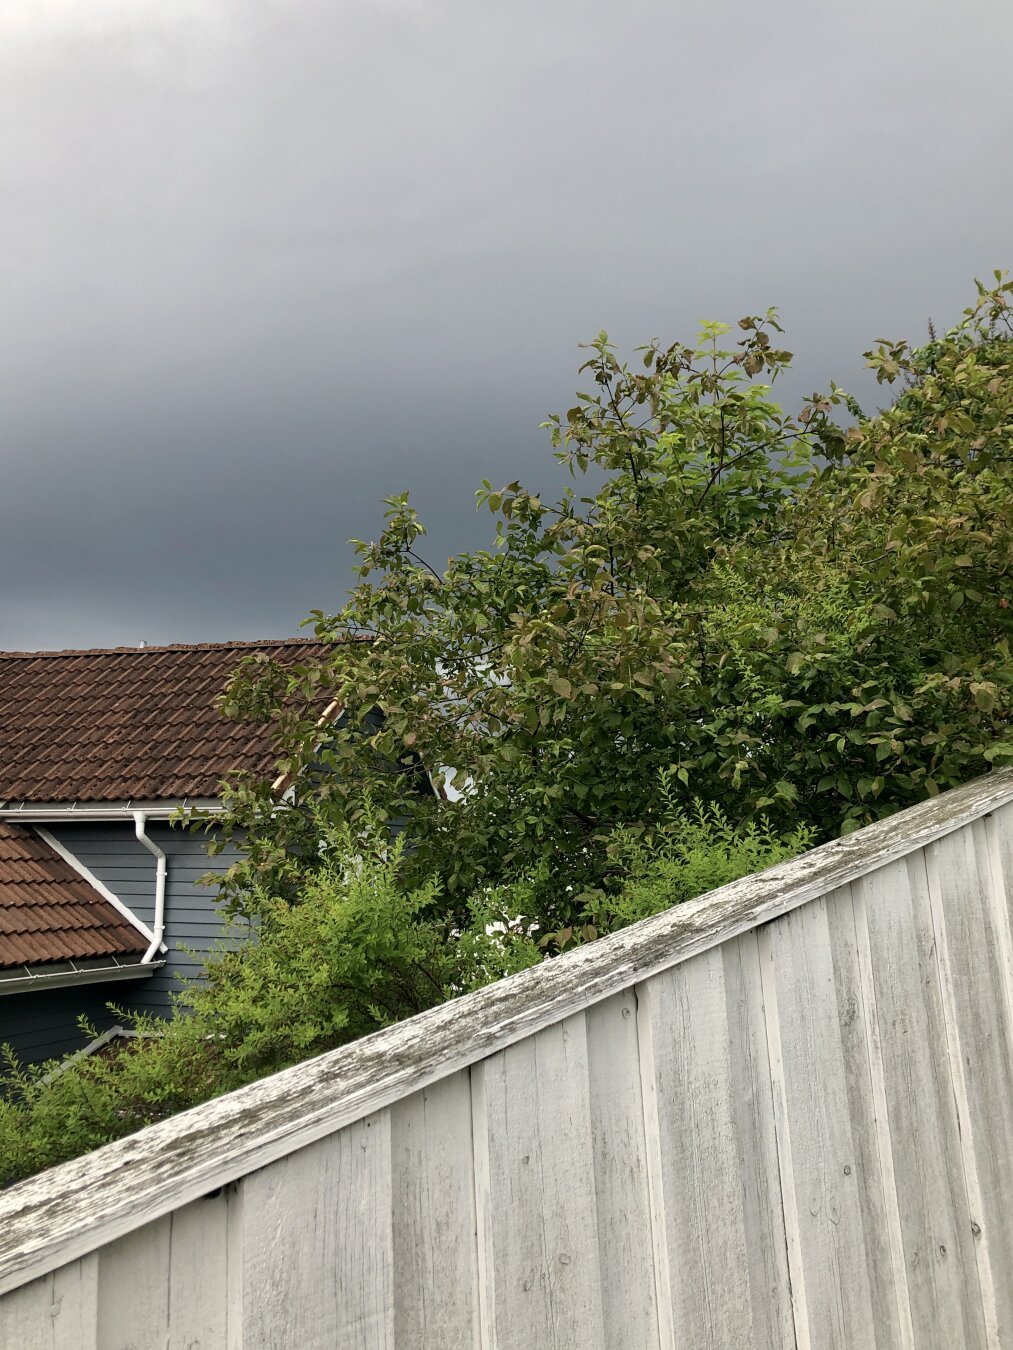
x=51, y=913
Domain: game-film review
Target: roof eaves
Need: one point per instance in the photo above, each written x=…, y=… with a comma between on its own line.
x=53, y=974
x=249, y=644
x=50, y=812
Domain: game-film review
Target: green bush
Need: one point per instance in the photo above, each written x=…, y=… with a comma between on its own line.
x=698, y=850
x=359, y=952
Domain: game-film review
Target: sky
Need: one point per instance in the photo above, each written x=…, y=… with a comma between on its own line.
x=265, y=262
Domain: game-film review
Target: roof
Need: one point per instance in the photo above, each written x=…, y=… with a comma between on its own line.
x=129, y=723
x=48, y=912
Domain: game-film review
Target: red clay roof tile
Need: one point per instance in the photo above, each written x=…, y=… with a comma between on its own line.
x=130, y=722
x=48, y=912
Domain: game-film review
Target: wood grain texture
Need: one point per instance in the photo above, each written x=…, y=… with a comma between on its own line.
x=134, y=1289
x=968, y=906
x=167, y=1285
x=870, y=1120
x=725, y=1247
x=57, y=1312
x=619, y=1152
x=52, y=1219
x=998, y=836
x=762, y=1202
x=435, y=1251
x=839, y=1258
x=922, y=1126
x=317, y=1245
x=535, y=1190
x=655, y=1169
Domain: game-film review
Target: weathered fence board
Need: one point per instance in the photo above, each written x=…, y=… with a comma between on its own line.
x=622, y=1190
x=317, y=1244
x=435, y=1251
x=781, y=1116
x=533, y=1118
x=762, y=1204
x=718, y=1261
x=922, y=1129
x=58, y=1311
x=167, y=1284
x=872, y=1166
x=970, y=951
x=837, y=1260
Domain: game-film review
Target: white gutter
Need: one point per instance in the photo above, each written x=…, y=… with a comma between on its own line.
x=113, y=1034
x=94, y=811
x=330, y=714
x=73, y=972
x=158, y=927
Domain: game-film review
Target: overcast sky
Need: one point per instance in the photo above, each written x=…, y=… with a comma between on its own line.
x=263, y=262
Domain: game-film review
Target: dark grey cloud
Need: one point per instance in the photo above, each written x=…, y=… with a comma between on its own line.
x=265, y=261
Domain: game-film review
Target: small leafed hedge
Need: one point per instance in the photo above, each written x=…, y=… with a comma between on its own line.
x=358, y=952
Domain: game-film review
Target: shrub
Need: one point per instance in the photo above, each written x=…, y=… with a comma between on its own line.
x=697, y=850
x=359, y=952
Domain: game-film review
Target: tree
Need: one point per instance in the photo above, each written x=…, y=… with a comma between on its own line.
x=789, y=618
x=868, y=637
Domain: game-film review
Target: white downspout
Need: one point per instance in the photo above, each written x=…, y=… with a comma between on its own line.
x=158, y=927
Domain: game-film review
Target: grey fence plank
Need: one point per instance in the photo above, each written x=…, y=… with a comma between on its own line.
x=167, y=1285
x=619, y=1152
x=56, y=1312
x=134, y=1289
x=970, y=947
x=997, y=832
x=762, y=1202
x=317, y=1245
x=839, y=1261
x=537, y=1217
x=435, y=1250
x=718, y=1269
x=922, y=1129
x=873, y=1166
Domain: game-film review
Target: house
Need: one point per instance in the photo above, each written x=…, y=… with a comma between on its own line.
x=99, y=892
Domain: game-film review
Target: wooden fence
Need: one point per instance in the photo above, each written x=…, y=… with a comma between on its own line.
x=780, y=1116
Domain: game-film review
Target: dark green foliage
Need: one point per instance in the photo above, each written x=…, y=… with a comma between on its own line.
x=799, y=621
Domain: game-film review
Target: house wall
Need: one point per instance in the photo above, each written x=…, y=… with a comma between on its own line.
x=43, y=1024
x=193, y=922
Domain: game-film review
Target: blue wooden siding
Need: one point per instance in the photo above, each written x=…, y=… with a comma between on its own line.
x=42, y=1024
x=193, y=921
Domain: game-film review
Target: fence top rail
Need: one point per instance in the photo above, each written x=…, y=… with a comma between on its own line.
x=80, y=1206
